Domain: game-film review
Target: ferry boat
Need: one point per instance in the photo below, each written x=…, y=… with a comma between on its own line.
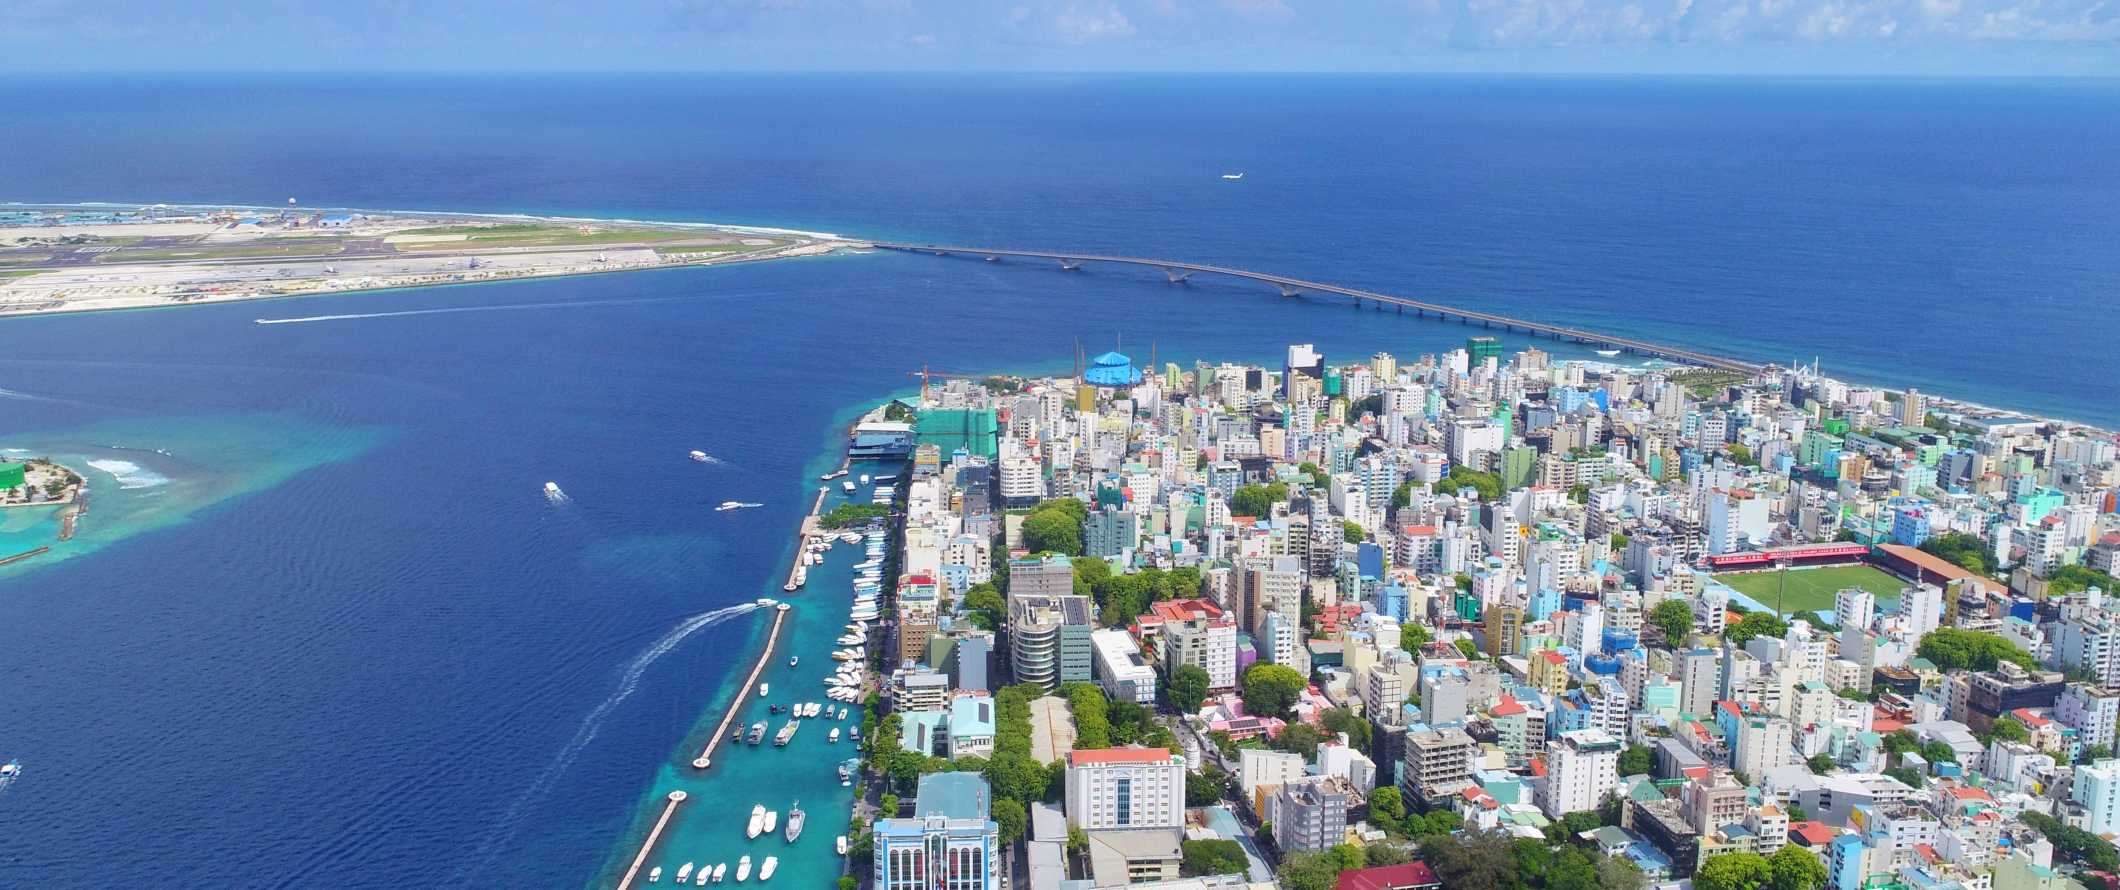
x=758, y=820
x=743, y=869
x=655, y=874
x=758, y=732
x=834, y=737
x=780, y=739
x=766, y=873
x=735, y=505
x=700, y=456
x=772, y=819
x=1608, y=353
x=795, y=816
x=683, y=872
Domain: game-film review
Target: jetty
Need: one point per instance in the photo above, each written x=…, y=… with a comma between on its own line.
x=810, y=529
x=654, y=834
x=24, y=555
x=743, y=694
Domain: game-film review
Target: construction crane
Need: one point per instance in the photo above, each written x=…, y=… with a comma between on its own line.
x=925, y=373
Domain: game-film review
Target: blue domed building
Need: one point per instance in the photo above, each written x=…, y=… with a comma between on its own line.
x=1113, y=370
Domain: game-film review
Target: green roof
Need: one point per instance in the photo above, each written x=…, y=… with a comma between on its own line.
x=952, y=796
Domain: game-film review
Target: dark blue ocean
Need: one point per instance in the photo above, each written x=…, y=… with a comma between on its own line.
x=374, y=668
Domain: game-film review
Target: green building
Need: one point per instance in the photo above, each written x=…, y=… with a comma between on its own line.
x=1519, y=466
x=972, y=429
x=1483, y=348
x=12, y=475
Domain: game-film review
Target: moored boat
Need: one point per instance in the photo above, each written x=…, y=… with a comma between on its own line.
x=743, y=869
x=758, y=820
x=655, y=874
x=795, y=818
x=683, y=872
x=772, y=819
x=765, y=873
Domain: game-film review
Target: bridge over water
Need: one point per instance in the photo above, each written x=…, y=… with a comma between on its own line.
x=1177, y=271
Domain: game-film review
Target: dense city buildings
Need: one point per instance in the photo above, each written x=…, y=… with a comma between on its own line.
x=1682, y=614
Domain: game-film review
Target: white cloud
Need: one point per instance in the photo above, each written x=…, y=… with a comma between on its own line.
x=1090, y=22
x=1517, y=24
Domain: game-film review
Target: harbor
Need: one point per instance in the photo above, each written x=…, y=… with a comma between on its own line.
x=754, y=754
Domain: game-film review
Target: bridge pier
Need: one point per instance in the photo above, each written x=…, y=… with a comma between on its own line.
x=1287, y=291
x=1070, y=265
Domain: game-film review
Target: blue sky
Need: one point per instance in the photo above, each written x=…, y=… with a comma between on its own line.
x=1915, y=37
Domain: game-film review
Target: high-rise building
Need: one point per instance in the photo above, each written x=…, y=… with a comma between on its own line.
x=1763, y=743
x=1049, y=639
x=1121, y=669
x=949, y=843
x=1854, y=607
x=1504, y=630
x=2097, y=789
x=1197, y=633
x=1310, y=814
x=1582, y=767
x=2093, y=712
x=1700, y=681
x=1125, y=788
x=1438, y=764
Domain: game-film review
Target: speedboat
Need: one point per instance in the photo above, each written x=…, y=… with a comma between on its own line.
x=758, y=732
x=1608, y=353
x=795, y=817
x=762, y=687
x=766, y=873
x=834, y=737
x=847, y=486
x=842, y=713
x=743, y=869
x=794, y=660
x=705, y=875
x=1233, y=176
x=683, y=872
x=772, y=819
x=841, y=845
x=758, y=822
x=845, y=655
x=700, y=456
x=655, y=874
x=721, y=870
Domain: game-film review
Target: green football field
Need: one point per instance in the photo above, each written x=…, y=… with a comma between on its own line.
x=1813, y=590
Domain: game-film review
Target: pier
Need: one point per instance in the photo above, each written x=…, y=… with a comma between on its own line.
x=1177, y=271
x=706, y=755
x=24, y=555
x=654, y=834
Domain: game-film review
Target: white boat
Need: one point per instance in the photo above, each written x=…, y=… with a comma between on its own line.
x=721, y=870
x=849, y=640
x=845, y=655
x=763, y=689
x=758, y=820
x=847, y=486
x=834, y=737
x=743, y=869
x=655, y=874
x=1232, y=176
x=795, y=819
x=683, y=871
x=735, y=505
x=794, y=660
x=706, y=875
x=864, y=478
x=552, y=489
x=1608, y=353
x=772, y=819
x=700, y=456
x=842, y=713
x=840, y=845
x=765, y=873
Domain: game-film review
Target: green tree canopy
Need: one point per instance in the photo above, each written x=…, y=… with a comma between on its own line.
x=1675, y=618
x=1271, y=690
x=1732, y=871
x=1755, y=624
x=1257, y=500
x=1009, y=812
x=1299, y=738
x=1794, y=868
x=1954, y=648
x=1960, y=549
x=1637, y=760
x=1212, y=857
x=985, y=606
x=1352, y=532
x=1053, y=531
x=1488, y=484
x=1386, y=806
x=1187, y=688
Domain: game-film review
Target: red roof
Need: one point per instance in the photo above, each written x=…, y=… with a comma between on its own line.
x=1507, y=707
x=1813, y=833
x=1118, y=755
x=1388, y=877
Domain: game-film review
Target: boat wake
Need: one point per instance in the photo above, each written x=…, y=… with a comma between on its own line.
x=505, y=828
x=504, y=307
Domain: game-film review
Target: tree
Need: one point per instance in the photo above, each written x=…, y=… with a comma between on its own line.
x=1733, y=871
x=1753, y=625
x=1965, y=551
x=1906, y=776
x=1257, y=500
x=1793, y=868
x=1572, y=870
x=1619, y=873
x=849, y=882
x=1402, y=495
x=1478, y=860
x=888, y=806
x=1954, y=648
x=1299, y=738
x=1348, y=723
x=1204, y=788
x=2072, y=578
x=1820, y=764
x=1488, y=485
x=1468, y=648
x=1637, y=760
x=1797, y=813
x=1675, y=618
x=986, y=607
x=2010, y=729
x=1319, y=871
x=1053, y=531
x=1938, y=751
x=1740, y=455
x=1379, y=855
x=1009, y=813
x=1352, y=531
x=1412, y=637
x=1187, y=688
x=1386, y=806
x=1436, y=823
x=1212, y=857
x=1271, y=690
x=1900, y=741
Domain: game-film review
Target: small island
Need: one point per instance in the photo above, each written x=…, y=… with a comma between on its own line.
x=37, y=482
